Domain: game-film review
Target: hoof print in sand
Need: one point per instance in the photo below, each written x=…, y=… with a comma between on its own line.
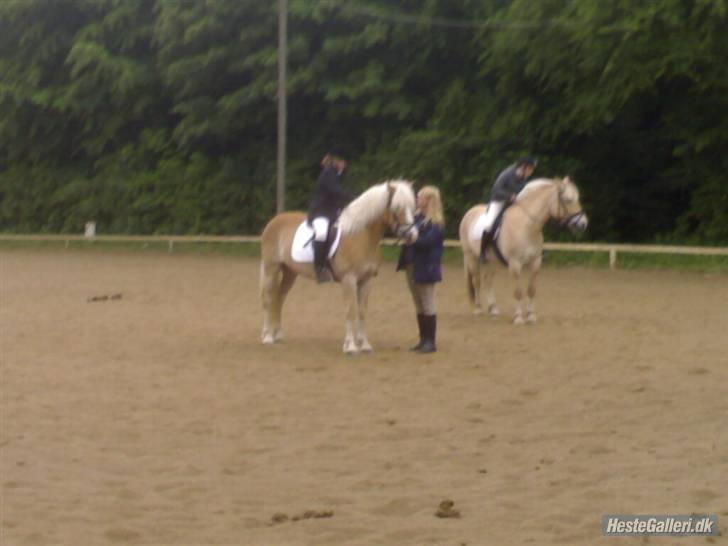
x=446, y=510
x=308, y=514
x=105, y=297
x=279, y=518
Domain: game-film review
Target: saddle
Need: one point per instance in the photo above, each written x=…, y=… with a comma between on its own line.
x=302, y=246
x=479, y=228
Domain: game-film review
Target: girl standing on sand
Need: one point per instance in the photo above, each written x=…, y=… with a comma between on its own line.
x=422, y=262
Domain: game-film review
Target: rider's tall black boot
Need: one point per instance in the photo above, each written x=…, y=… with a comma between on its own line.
x=484, y=242
x=323, y=273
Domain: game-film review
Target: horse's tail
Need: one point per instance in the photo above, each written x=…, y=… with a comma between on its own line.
x=274, y=240
x=463, y=231
x=268, y=243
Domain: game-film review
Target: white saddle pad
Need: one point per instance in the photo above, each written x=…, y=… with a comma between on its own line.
x=302, y=248
x=476, y=230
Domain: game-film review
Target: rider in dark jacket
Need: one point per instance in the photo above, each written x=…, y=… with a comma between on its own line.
x=508, y=184
x=326, y=203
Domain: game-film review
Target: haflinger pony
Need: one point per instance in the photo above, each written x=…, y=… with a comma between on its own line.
x=520, y=241
x=363, y=223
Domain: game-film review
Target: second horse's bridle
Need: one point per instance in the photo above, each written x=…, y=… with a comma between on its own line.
x=572, y=219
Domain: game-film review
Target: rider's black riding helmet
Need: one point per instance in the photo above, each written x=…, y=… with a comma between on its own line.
x=527, y=160
x=338, y=152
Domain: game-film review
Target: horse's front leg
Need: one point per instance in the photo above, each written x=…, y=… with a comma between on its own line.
x=364, y=287
x=515, y=271
x=351, y=297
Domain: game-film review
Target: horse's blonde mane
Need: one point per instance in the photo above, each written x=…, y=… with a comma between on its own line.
x=535, y=186
x=568, y=189
x=371, y=204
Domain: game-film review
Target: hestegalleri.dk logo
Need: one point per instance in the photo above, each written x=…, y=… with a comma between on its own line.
x=660, y=525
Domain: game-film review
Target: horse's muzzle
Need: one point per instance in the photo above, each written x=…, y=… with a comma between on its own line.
x=411, y=235
x=578, y=223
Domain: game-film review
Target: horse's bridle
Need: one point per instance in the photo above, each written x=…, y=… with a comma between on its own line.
x=572, y=219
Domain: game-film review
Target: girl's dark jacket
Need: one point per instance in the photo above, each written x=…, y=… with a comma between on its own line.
x=328, y=197
x=425, y=253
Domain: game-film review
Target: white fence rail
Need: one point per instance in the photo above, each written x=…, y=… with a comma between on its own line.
x=612, y=249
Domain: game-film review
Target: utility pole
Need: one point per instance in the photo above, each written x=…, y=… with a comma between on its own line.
x=282, y=114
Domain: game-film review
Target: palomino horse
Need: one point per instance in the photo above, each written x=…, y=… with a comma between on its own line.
x=520, y=241
x=363, y=223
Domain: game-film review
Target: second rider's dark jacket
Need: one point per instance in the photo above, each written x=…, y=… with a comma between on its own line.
x=508, y=183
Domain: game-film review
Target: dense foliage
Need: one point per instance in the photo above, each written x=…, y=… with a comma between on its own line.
x=159, y=116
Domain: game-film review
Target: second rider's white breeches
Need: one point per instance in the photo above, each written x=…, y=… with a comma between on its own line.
x=320, y=229
x=494, y=209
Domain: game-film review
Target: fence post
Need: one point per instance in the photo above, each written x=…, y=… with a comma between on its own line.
x=170, y=245
x=612, y=258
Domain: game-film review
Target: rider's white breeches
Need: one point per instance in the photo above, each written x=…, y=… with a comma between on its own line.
x=320, y=229
x=494, y=209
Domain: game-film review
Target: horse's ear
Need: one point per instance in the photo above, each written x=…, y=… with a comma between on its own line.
x=567, y=180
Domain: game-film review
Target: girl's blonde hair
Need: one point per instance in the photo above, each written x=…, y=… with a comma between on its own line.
x=433, y=211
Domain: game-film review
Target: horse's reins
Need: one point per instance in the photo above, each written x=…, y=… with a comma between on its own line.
x=407, y=228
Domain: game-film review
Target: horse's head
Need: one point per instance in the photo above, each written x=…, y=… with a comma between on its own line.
x=569, y=211
x=401, y=210
x=392, y=203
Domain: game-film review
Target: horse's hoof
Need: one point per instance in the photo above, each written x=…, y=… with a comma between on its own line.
x=478, y=311
x=278, y=337
x=366, y=348
x=531, y=319
x=350, y=348
x=493, y=311
x=268, y=339
x=518, y=321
